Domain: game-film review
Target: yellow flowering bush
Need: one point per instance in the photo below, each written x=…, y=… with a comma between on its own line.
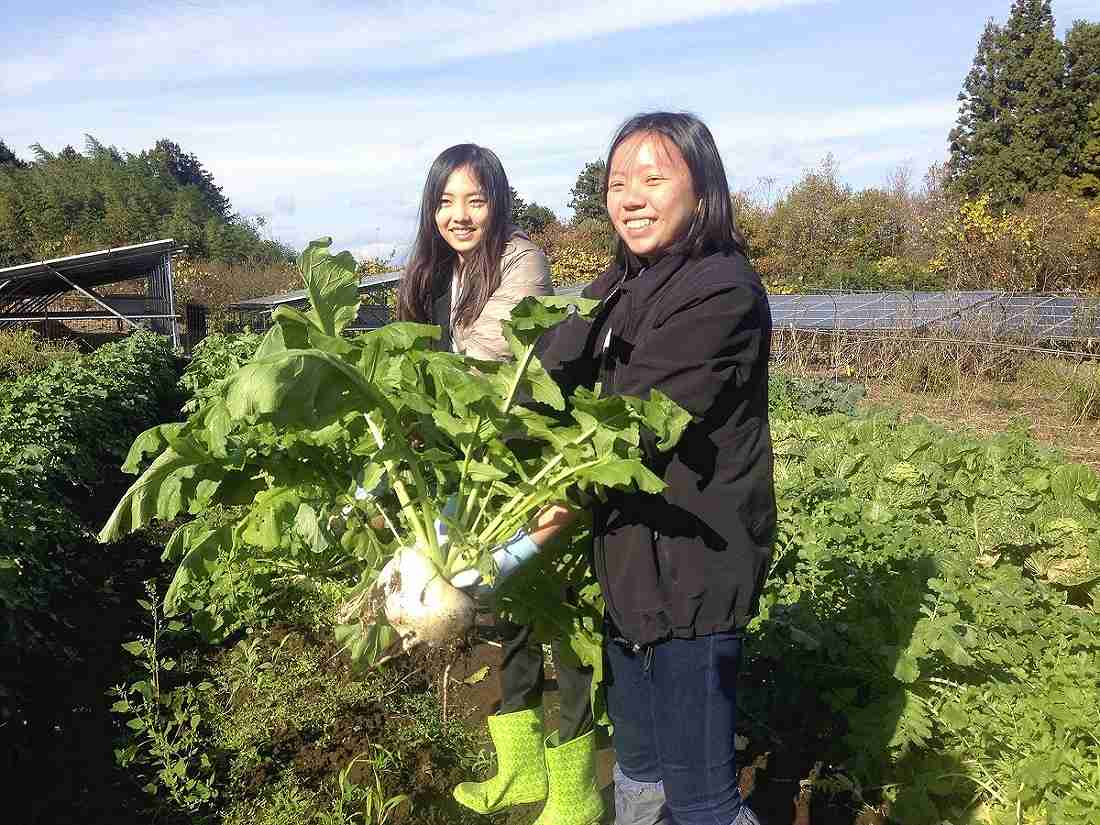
x=1051, y=243
x=577, y=254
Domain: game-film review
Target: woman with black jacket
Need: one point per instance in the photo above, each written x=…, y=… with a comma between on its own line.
x=682, y=312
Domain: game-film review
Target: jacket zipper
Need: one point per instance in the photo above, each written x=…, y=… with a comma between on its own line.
x=602, y=555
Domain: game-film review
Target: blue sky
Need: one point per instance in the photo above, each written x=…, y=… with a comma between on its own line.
x=325, y=118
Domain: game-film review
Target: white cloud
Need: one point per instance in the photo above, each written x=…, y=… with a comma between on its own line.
x=334, y=153
x=837, y=124
x=393, y=251
x=356, y=173
x=195, y=42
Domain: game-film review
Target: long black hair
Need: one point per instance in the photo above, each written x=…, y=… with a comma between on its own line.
x=712, y=228
x=432, y=258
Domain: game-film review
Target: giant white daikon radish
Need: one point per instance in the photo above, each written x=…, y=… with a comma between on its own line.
x=420, y=604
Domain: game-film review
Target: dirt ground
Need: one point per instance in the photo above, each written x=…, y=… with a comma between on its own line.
x=57, y=736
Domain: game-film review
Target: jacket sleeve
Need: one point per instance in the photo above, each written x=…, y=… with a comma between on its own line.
x=524, y=273
x=701, y=348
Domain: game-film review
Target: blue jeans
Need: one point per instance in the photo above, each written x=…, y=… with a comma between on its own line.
x=674, y=709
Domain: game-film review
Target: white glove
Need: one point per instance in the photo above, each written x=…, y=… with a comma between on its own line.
x=507, y=559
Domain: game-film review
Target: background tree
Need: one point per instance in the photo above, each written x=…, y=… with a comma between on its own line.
x=531, y=217
x=1016, y=117
x=1086, y=182
x=9, y=158
x=172, y=164
x=71, y=202
x=1083, y=86
x=589, y=201
x=519, y=205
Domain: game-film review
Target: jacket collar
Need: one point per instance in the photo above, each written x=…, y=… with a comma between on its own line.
x=652, y=278
x=643, y=280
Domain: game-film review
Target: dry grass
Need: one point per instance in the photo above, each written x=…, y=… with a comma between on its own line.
x=988, y=407
x=980, y=385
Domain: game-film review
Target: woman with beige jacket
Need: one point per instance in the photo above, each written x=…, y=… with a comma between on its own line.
x=468, y=268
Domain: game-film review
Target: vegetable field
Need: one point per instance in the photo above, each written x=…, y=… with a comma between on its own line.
x=934, y=601
x=927, y=649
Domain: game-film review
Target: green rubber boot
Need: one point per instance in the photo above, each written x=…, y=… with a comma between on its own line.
x=521, y=765
x=573, y=798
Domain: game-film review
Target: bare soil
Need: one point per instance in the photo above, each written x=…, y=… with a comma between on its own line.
x=57, y=734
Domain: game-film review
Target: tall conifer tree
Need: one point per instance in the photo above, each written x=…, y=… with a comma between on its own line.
x=1016, y=118
x=1083, y=86
x=977, y=127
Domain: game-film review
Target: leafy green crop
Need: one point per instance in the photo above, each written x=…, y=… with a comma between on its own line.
x=59, y=427
x=314, y=417
x=941, y=596
x=216, y=357
x=788, y=395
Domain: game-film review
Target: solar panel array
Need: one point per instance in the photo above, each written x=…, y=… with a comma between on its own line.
x=995, y=315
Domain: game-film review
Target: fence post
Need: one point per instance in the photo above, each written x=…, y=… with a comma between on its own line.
x=195, y=316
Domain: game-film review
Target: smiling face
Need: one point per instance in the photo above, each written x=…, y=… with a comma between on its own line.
x=650, y=194
x=462, y=214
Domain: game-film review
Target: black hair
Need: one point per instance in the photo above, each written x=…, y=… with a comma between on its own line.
x=432, y=258
x=712, y=228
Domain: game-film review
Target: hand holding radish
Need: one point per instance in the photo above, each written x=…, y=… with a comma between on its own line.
x=507, y=559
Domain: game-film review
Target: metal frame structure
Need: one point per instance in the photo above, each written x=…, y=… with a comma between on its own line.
x=377, y=292
x=27, y=291
x=996, y=318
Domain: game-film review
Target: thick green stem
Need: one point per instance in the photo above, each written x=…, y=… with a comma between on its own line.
x=482, y=508
x=549, y=467
x=521, y=368
x=469, y=506
x=425, y=537
x=463, y=499
x=514, y=516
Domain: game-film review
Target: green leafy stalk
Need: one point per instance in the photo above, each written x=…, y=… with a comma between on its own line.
x=286, y=439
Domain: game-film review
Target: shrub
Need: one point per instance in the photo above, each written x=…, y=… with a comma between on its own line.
x=217, y=285
x=1075, y=386
x=821, y=234
x=23, y=352
x=215, y=357
x=1084, y=394
x=1051, y=243
x=59, y=429
x=789, y=395
x=68, y=420
x=577, y=254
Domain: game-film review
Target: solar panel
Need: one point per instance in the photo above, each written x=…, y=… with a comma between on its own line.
x=992, y=314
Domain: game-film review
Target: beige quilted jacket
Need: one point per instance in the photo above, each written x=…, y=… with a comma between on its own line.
x=524, y=271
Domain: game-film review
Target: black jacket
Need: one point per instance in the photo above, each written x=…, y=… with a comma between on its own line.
x=690, y=561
